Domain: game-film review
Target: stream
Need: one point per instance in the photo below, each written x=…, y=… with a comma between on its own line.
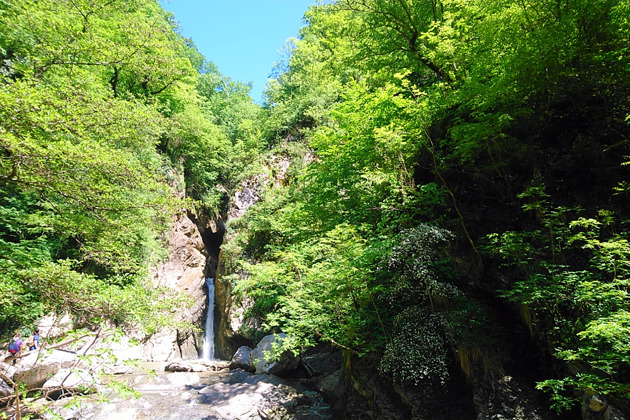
x=209, y=395
x=196, y=390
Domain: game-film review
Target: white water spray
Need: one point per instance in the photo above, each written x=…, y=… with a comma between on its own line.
x=208, y=338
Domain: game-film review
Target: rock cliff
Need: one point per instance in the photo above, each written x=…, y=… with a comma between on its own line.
x=184, y=270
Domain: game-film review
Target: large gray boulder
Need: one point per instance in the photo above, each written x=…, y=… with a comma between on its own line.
x=183, y=366
x=240, y=360
x=265, y=360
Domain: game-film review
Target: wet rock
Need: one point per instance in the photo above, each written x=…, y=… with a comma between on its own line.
x=240, y=360
x=181, y=366
x=265, y=361
x=197, y=396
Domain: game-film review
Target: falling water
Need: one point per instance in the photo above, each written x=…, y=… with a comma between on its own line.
x=208, y=338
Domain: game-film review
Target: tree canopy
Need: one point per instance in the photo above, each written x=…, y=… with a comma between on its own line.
x=450, y=163
x=482, y=141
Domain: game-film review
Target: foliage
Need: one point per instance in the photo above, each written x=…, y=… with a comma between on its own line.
x=394, y=117
x=582, y=312
x=416, y=111
x=89, y=93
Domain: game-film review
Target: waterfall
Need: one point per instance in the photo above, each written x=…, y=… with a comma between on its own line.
x=208, y=338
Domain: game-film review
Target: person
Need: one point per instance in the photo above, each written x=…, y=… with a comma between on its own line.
x=15, y=345
x=35, y=340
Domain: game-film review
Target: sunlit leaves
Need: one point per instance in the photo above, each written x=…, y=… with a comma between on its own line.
x=130, y=46
x=92, y=160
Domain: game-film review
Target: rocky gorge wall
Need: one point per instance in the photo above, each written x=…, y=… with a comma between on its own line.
x=352, y=386
x=184, y=271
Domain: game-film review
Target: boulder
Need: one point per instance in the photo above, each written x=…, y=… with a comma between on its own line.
x=597, y=403
x=36, y=368
x=5, y=389
x=7, y=370
x=597, y=407
x=68, y=382
x=240, y=360
x=182, y=366
x=264, y=361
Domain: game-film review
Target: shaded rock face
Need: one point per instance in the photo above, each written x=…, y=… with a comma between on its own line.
x=509, y=398
x=233, y=329
x=356, y=390
x=183, y=271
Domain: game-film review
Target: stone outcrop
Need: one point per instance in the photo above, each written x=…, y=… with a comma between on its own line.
x=184, y=271
x=35, y=369
x=5, y=389
x=240, y=360
x=507, y=397
x=264, y=359
x=67, y=382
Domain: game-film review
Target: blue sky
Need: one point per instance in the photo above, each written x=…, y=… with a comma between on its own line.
x=242, y=37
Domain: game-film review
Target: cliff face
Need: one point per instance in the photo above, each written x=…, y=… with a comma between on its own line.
x=184, y=271
x=233, y=331
x=233, y=328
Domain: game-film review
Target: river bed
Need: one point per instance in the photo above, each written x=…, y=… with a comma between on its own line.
x=208, y=395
